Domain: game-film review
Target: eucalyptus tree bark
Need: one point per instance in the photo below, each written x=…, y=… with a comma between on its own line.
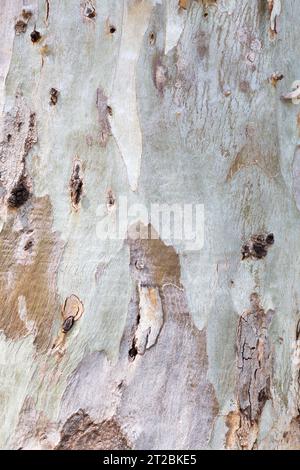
x=133, y=343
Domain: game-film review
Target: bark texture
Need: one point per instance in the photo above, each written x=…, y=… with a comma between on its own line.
x=134, y=344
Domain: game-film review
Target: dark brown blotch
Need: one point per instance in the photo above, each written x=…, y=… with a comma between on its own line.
x=19, y=194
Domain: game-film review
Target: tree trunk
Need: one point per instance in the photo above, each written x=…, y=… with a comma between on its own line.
x=127, y=341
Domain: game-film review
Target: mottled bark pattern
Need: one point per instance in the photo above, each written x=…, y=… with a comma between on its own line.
x=144, y=343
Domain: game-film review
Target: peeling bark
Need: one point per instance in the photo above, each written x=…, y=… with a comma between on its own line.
x=142, y=343
x=255, y=370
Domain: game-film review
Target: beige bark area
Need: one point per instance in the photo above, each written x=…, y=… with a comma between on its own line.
x=131, y=343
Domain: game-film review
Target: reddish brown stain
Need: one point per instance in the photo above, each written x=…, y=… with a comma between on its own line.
x=80, y=432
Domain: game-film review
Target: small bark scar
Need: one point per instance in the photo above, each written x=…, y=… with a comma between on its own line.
x=76, y=185
x=257, y=246
x=71, y=312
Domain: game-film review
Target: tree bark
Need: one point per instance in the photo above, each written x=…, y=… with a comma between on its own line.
x=138, y=343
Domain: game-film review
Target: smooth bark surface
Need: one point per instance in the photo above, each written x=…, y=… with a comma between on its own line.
x=143, y=344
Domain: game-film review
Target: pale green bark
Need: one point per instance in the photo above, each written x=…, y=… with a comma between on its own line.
x=194, y=118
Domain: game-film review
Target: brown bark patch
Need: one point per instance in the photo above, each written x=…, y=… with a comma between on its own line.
x=160, y=263
x=233, y=423
x=80, y=432
x=184, y=4
x=29, y=275
x=19, y=194
x=20, y=27
x=254, y=362
x=89, y=10
x=22, y=21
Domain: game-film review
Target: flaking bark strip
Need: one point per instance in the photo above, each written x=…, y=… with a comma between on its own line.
x=150, y=320
x=274, y=7
x=254, y=362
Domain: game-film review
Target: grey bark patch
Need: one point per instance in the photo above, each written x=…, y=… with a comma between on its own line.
x=80, y=432
x=180, y=365
x=179, y=347
x=254, y=362
x=175, y=367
